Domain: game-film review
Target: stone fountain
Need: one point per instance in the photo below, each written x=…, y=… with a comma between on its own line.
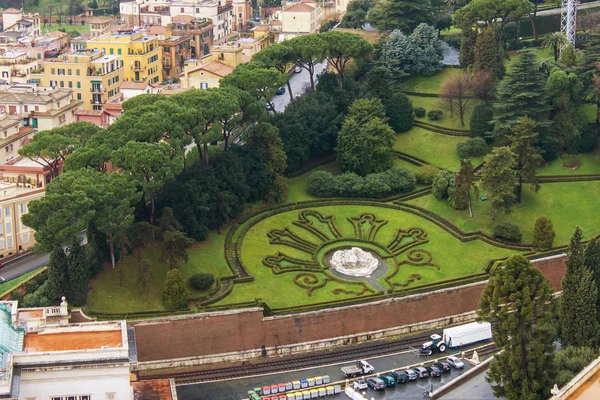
x=354, y=262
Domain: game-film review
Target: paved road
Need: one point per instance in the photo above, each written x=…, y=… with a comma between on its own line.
x=18, y=267
x=300, y=83
x=238, y=388
x=475, y=388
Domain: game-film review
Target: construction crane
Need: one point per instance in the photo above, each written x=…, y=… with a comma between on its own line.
x=568, y=20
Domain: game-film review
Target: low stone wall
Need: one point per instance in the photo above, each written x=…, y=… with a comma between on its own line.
x=197, y=338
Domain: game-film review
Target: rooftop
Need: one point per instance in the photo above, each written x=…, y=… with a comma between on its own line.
x=67, y=339
x=22, y=162
x=215, y=67
x=12, y=54
x=11, y=11
x=159, y=389
x=300, y=7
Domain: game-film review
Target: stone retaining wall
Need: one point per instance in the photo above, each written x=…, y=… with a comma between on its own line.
x=197, y=337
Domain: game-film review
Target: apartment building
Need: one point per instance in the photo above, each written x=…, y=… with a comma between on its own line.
x=16, y=66
x=13, y=136
x=40, y=108
x=176, y=49
x=218, y=11
x=140, y=54
x=100, y=25
x=206, y=72
x=27, y=25
x=93, y=76
x=144, y=12
x=300, y=18
x=201, y=30
x=242, y=11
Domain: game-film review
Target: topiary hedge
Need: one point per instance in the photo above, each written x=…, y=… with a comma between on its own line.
x=473, y=147
x=420, y=112
x=426, y=173
x=201, y=280
x=434, y=115
x=507, y=231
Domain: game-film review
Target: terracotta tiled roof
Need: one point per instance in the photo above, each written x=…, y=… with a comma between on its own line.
x=100, y=20
x=217, y=68
x=182, y=18
x=11, y=11
x=89, y=113
x=158, y=30
x=134, y=85
x=300, y=7
x=159, y=389
x=58, y=34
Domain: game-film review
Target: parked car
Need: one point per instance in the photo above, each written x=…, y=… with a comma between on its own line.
x=1, y=265
x=455, y=362
x=280, y=91
x=421, y=372
x=389, y=380
x=2, y=280
x=376, y=384
x=443, y=365
x=412, y=375
x=434, y=371
x=401, y=376
x=297, y=69
x=360, y=384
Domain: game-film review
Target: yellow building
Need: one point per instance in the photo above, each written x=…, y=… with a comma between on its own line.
x=300, y=18
x=206, y=72
x=141, y=54
x=94, y=77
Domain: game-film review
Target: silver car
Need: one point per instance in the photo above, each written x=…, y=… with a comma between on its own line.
x=455, y=362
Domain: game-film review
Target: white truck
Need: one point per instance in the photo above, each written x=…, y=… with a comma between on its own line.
x=457, y=336
x=361, y=367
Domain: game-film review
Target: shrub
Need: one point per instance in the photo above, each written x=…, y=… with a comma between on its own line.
x=202, y=280
x=394, y=180
x=480, y=124
x=570, y=360
x=543, y=233
x=420, y=112
x=37, y=298
x=426, y=173
x=507, y=231
x=175, y=293
x=434, y=115
x=443, y=185
x=473, y=147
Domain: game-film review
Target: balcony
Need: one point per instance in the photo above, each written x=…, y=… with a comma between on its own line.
x=96, y=89
x=97, y=101
x=138, y=67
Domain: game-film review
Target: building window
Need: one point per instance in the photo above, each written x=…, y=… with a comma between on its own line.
x=1, y=244
x=77, y=72
x=52, y=71
x=37, y=108
x=62, y=83
x=9, y=242
x=25, y=238
x=78, y=85
x=70, y=84
x=78, y=96
x=119, y=51
x=182, y=9
x=68, y=72
x=7, y=211
x=61, y=71
x=1, y=229
x=8, y=227
x=112, y=50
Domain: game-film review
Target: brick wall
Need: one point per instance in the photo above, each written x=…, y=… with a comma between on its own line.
x=230, y=332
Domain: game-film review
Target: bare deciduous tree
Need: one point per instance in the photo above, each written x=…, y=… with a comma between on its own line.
x=456, y=94
x=483, y=85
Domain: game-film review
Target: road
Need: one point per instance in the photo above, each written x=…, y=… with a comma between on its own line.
x=300, y=83
x=238, y=388
x=475, y=388
x=15, y=268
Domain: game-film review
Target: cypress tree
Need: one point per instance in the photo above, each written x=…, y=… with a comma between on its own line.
x=467, y=47
x=518, y=299
x=175, y=292
x=543, y=233
x=526, y=157
x=592, y=262
x=58, y=278
x=79, y=275
x=480, y=124
x=578, y=316
x=400, y=112
x=522, y=93
x=486, y=53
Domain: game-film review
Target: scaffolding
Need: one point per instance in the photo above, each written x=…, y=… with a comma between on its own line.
x=568, y=20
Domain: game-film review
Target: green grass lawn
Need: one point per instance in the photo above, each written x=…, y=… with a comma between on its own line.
x=278, y=290
x=590, y=164
x=428, y=84
x=78, y=28
x=435, y=148
x=9, y=286
x=108, y=296
x=447, y=121
x=566, y=204
x=513, y=56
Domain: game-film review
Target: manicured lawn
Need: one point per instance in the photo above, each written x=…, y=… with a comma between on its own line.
x=566, y=204
x=68, y=28
x=590, y=164
x=405, y=164
x=447, y=121
x=432, y=147
x=9, y=286
x=428, y=84
x=108, y=296
x=450, y=31
x=278, y=290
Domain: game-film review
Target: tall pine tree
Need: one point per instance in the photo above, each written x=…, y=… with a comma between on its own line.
x=518, y=299
x=578, y=316
x=592, y=262
x=522, y=93
x=486, y=53
x=499, y=180
x=527, y=159
x=79, y=275
x=58, y=278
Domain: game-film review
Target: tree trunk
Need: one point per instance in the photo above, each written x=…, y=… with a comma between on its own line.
x=205, y=153
x=470, y=207
x=152, y=210
x=520, y=188
x=533, y=22
x=492, y=213
x=461, y=112
x=112, y=248
x=311, y=72
x=340, y=80
x=199, y=148
x=290, y=91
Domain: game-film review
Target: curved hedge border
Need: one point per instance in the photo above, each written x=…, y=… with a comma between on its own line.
x=441, y=130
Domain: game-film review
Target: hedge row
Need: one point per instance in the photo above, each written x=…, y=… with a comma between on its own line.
x=441, y=130
x=420, y=94
x=411, y=159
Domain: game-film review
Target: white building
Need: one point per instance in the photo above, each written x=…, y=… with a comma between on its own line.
x=51, y=359
x=16, y=66
x=218, y=11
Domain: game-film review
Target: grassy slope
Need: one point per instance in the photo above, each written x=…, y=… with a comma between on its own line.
x=68, y=28
x=109, y=297
x=447, y=121
x=590, y=164
x=432, y=147
x=566, y=204
x=428, y=84
x=279, y=291
x=9, y=286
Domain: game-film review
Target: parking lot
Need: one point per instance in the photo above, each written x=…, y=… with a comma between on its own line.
x=238, y=388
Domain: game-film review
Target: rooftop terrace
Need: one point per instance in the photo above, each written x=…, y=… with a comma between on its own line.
x=46, y=341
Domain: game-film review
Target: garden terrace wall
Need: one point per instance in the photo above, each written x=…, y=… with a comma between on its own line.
x=248, y=329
